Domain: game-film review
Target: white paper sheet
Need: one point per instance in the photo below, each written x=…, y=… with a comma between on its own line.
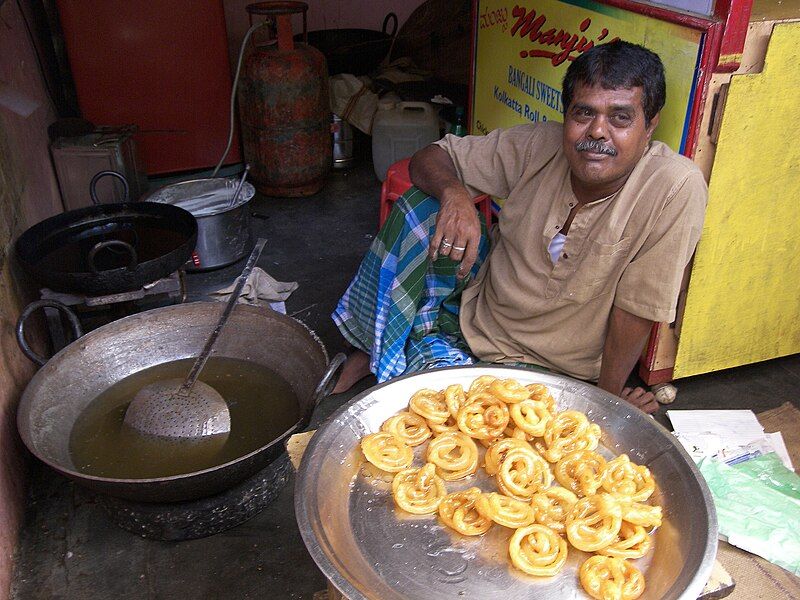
x=728, y=435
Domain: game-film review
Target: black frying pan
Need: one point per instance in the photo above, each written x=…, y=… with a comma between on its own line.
x=108, y=248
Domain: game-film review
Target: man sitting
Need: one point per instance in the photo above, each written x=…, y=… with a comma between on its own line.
x=588, y=252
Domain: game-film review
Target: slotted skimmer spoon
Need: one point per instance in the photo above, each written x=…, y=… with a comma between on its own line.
x=188, y=409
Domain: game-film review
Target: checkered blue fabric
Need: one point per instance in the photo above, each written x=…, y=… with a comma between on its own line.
x=401, y=308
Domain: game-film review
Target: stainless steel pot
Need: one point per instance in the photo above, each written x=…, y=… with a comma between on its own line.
x=62, y=389
x=223, y=228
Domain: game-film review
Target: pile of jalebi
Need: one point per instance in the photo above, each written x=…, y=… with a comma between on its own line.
x=600, y=506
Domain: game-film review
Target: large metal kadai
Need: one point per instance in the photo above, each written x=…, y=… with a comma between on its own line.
x=61, y=390
x=283, y=106
x=367, y=549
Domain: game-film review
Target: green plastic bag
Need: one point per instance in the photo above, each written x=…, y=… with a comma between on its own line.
x=770, y=471
x=757, y=508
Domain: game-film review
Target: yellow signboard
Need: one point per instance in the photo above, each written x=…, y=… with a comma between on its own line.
x=523, y=48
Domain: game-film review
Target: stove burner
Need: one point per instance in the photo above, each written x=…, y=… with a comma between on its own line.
x=200, y=518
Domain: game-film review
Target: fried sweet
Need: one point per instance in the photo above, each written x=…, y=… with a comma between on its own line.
x=638, y=513
x=551, y=507
x=625, y=478
x=531, y=416
x=483, y=417
x=513, y=431
x=537, y=550
x=522, y=473
x=387, y=451
x=579, y=472
x=454, y=398
x=457, y=510
x=449, y=425
x=505, y=511
x=409, y=427
x=610, y=578
x=594, y=522
x=418, y=491
x=509, y=391
x=568, y=432
x=430, y=405
x=454, y=454
x=498, y=450
x=479, y=384
x=632, y=542
x=540, y=392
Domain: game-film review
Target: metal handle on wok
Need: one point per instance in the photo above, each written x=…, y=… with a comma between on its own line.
x=77, y=331
x=110, y=244
x=329, y=379
x=126, y=190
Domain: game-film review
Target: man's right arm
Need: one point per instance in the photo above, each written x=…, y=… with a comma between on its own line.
x=433, y=171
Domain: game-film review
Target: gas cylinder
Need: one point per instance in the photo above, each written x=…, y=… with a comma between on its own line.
x=284, y=109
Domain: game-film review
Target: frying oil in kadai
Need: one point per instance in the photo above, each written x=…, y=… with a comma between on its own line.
x=262, y=407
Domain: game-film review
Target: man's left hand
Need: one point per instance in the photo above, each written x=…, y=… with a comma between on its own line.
x=640, y=398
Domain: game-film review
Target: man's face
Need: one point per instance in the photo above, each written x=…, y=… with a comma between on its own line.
x=605, y=135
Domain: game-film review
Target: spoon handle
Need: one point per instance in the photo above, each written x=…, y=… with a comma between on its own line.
x=203, y=358
x=239, y=186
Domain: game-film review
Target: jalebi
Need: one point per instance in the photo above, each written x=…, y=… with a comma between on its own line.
x=430, y=405
x=505, y=511
x=483, y=417
x=522, y=473
x=531, y=416
x=594, y=522
x=632, y=542
x=387, y=451
x=551, y=507
x=537, y=550
x=497, y=452
x=410, y=428
x=509, y=391
x=568, y=432
x=579, y=472
x=609, y=578
x=625, y=478
x=418, y=491
x=454, y=454
x=458, y=511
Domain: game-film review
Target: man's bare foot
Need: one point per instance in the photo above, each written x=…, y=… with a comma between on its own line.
x=355, y=368
x=641, y=399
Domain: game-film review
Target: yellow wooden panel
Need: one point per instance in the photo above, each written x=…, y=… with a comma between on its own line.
x=743, y=303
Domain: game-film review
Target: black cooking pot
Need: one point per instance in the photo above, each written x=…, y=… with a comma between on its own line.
x=107, y=248
x=355, y=51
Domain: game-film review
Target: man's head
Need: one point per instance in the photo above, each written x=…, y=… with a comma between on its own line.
x=612, y=96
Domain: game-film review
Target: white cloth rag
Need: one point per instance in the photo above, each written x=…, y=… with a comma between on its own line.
x=260, y=289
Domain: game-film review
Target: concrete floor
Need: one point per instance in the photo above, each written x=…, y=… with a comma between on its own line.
x=70, y=549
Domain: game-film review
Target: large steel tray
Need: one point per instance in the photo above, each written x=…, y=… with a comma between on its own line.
x=369, y=550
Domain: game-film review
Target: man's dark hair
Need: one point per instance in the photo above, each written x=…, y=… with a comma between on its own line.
x=619, y=65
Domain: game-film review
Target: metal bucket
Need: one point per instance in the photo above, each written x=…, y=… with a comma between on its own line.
x=223, y=229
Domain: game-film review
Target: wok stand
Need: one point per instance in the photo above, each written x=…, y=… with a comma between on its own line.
x=162, y=292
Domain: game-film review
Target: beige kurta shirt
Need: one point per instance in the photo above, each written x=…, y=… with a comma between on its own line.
x=629, y=250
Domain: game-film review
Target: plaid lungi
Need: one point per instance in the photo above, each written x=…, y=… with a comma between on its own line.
x=401, y=308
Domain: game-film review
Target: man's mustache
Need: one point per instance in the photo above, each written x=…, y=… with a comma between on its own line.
x=595, y=146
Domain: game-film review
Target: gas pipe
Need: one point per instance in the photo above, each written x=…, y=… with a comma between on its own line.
x=283, y=106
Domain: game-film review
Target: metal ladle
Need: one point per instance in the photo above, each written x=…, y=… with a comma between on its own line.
x=239, y=186
x=187, y=409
